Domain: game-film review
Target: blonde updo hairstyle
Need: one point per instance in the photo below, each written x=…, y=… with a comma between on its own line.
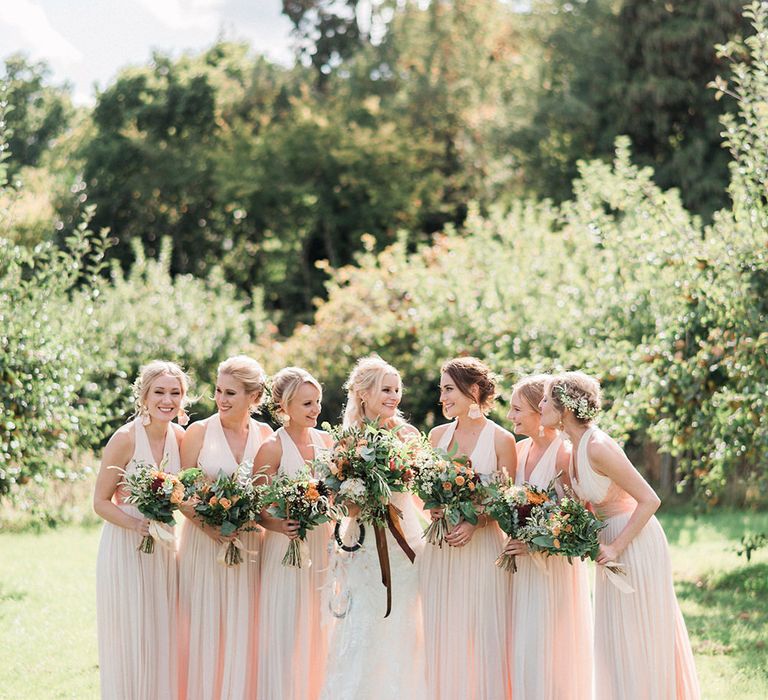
x=581, y=389
x=366, y=377
x=286, y=384
x=532, y=389
x=152, y=371
x=249, y=373
x=467, y=372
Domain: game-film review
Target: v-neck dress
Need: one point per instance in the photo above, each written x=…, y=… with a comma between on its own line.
x=642, y=648
x=551, y=653
x=466, y=600
x=218, y=605
x=293, y=653
x=136, y=599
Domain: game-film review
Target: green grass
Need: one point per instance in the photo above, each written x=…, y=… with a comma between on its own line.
x=48, y=607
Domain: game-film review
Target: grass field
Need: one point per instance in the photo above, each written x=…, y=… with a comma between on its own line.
x=48, y=627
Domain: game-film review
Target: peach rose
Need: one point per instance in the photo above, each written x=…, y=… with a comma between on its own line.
x=459, y=480
x=225, y=503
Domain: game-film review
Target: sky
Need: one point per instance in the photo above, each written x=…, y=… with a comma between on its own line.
x=86, y=42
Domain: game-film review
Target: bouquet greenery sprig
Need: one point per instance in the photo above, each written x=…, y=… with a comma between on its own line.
x=446, y=481
x=365, y=466
x=302, y=498
x=229, y=503
x=511, y=506
x=156, y=494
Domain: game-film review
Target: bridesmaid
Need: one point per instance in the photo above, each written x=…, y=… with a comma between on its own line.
x=292, y=660
x=465, y=596
x=135, y=592
x=641, y=644
x=218, y=604
x=551, y=653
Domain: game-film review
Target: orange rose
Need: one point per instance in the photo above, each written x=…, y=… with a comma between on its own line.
x=471, y=485
x=177, y=495
x=569, y=528
x=447, y=486
x=225, y=503
x=312, y=493
x=459, y=480
x=557, y=544
x=213, y=501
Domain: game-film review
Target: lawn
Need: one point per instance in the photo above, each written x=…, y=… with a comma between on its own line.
x=47, y=607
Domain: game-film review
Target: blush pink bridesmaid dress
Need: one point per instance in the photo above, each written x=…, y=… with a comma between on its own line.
x=218, y=605
x=466, y=599
x=641, y=643
x=136, y=597
x=551, y=653
x=293, y=650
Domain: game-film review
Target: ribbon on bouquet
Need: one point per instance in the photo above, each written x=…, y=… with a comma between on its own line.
x=392, y=518
x=166, y=538
x=221, y=557
x=615, y=573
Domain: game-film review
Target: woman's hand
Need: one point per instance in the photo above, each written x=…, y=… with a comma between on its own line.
x=516, y=548
x=608, y=553
x=289, y=528
x=461, y=534
x=141, y=525
x=436, y=513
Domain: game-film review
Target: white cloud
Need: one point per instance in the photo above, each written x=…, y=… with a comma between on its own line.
x=185, y=14
x=30, y=20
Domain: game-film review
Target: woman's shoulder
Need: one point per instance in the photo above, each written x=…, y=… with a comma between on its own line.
x=406, y=430
x=602, y=448
x=122, y=443
x=439, y=430
x=502, y=436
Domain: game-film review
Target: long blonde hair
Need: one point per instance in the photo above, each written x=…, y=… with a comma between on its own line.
x=367, y=376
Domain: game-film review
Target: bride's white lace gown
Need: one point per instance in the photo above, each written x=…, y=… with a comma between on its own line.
x=369, y=656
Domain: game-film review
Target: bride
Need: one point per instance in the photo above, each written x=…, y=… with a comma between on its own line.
x=371, y=656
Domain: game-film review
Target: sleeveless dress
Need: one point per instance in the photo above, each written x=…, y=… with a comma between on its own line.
x=370, y=656
x=551, y=654
x=641, y=643
x=136, y=599
x=466, y=604
x=218, y=604
x=293, y=651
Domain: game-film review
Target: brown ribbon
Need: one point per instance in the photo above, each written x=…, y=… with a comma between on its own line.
x=393, y=517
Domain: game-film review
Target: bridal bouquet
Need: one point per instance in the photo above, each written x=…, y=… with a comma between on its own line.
x=513, y=506
x=156, y=494
x=228, y=503
x=448, y=482
x=301, y=498
x=365, y=466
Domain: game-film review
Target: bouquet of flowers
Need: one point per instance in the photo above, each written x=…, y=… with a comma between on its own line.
x=566, y=528
x=229, y=503
x=156, y=494
x=512, y=506
x=365, y=466
x=448, y=482
x=301, y=498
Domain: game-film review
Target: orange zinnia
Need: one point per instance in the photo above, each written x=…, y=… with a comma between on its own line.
x=312, y=493
x=536, y=498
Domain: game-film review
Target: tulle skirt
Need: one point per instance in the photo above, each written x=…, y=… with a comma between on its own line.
x=551, y=653
x=466, y=601
x=292, y=661
x=218, y=607
x=641, y=643
x=136, y=598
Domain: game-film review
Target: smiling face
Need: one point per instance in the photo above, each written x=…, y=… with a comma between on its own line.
x=304, y=407
x=382, y=402
x=232, y=398
x=550, y=416
x=163, y=398
x=454, y=402
x=525, y=418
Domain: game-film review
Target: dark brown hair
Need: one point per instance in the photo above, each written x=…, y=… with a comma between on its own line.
x=467, y=372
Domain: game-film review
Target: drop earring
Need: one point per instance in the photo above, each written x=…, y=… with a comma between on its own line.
x=145, y=417
x=474, y=411
x=541, y=430
x=183, y=417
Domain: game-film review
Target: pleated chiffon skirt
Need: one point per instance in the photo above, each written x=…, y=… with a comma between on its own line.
x=218, y=618
x=136, y=599
x=642, y=648
x=292, y=664
x=466, y=600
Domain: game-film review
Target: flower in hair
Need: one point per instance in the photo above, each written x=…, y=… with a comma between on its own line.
x=580, y=407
